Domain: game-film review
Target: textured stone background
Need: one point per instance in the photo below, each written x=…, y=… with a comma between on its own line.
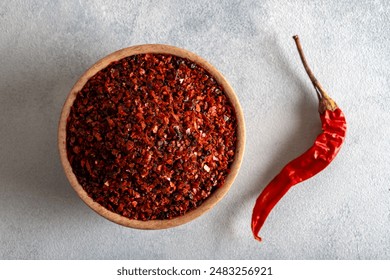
x=343, y=213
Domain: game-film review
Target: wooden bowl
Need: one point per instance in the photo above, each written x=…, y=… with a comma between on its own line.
x=213, y=199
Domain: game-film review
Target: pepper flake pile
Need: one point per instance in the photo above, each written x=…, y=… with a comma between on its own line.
x=151, y=136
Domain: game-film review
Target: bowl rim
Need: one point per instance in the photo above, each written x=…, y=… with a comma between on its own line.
x=209, y=202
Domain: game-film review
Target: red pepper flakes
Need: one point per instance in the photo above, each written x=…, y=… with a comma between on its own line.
x=151, y=136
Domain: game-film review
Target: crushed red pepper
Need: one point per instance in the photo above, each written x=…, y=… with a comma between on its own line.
x=151, y=136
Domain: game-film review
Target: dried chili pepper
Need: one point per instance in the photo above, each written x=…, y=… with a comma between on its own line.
x=314, y=160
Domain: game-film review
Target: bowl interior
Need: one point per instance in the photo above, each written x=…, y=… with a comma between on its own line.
x=213, y=199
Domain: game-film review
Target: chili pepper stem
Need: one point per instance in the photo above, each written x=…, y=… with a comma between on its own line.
x=326, y=103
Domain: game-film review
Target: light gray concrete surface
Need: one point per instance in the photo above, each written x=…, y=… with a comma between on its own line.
x=343, y=213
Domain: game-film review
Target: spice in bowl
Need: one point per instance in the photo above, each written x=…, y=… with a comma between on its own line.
x=151, y=136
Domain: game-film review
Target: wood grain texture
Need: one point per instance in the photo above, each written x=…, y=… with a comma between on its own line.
x=213, y=199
